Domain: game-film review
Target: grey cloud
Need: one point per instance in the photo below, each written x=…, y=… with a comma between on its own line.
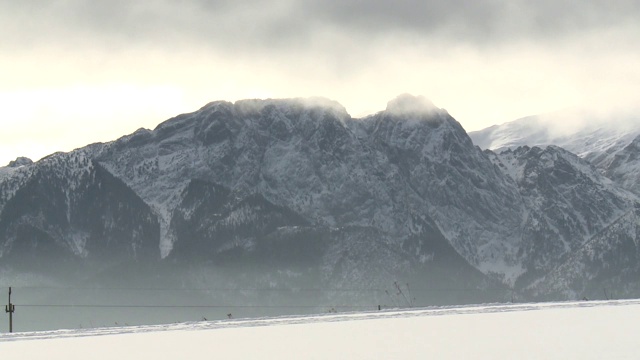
x=421, y=17
x=257, y=24
x=478, y=21
x=161, y=22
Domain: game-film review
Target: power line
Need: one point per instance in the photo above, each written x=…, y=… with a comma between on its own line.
x=192, y=289
x=251, y=289
x=195, y=306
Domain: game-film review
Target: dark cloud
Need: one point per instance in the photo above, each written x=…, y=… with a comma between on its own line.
x=477, y=21
x=256, y=24
x=420, y=17
x=161, y=23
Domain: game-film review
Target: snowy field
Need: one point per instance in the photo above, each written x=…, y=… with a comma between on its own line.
x=569, y=330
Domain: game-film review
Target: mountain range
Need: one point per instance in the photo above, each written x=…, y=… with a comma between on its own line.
x=295, y=193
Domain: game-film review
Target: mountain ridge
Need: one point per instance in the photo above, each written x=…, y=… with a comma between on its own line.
x=403, y=193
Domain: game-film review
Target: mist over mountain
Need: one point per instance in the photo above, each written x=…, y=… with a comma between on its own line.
x=295, y=194
x=607, y=146
x=580, y=131
x=608, y=142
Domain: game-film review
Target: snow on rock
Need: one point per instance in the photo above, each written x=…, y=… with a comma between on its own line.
x=20, y=161
x=568, y=201
x=403, y=192
x=608, y=142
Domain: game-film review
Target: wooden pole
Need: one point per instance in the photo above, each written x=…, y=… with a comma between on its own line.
x=10, y=309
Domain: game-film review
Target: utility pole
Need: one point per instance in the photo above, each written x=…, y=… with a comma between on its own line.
x=10, y=309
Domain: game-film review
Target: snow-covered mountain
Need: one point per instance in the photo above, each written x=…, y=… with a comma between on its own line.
x=567, y=201
x=610, y=142
x=611, y=147
x=578, y=131
x=608, y=265
x=297, y=193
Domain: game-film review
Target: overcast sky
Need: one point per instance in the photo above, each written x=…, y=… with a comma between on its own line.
x=74, y=72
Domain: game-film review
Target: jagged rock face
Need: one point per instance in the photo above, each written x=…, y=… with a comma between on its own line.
x=446, y=177
x=211, y=224
x=623, y=165
x=300, y=157
x=20, y=161
x=298, y=191
x=609, y=145
x=284, y=186
x=567, y=203
x=606, y=266
x=72, y=208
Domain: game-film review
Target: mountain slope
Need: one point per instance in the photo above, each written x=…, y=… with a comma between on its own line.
x=281, y=191
x=288, y=193
x=451, y=180
x=69, y=206
x=579, y=132
x=606, y=266
x=567, y=201
x=610, y=143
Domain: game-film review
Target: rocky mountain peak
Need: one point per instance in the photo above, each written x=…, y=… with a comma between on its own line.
x=20, y=161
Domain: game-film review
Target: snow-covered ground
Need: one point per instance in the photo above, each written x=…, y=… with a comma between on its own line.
x=570, y=330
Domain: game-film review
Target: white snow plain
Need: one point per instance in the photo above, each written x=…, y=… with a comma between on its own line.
x=569, y=330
